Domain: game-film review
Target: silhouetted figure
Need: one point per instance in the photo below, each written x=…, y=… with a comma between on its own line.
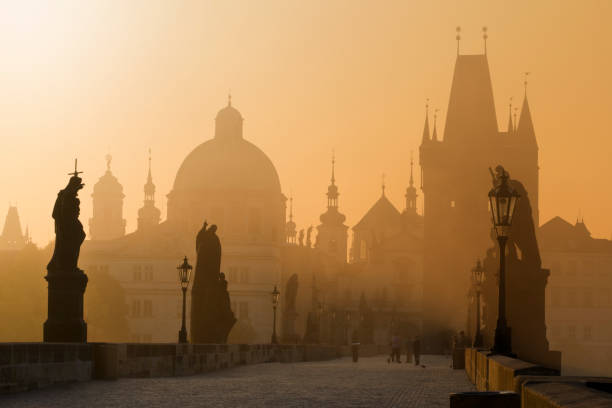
x=355, y=346
x=308, y=237
x=525, y=285
x=301, y=238
x=416, y=350
x=396, y=349
x=211, y=315
x=66, y=281
x=289, y=312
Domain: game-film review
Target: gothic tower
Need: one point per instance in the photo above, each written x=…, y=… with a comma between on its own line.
x=148, y=214
x=332, y=234
x=455, y=182
x=107, y=221
x=12, y=237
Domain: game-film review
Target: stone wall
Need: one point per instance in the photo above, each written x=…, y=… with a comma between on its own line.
x=26, y=366
x=538, y=386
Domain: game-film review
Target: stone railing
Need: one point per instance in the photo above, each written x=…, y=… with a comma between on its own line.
x=537, y=386
x=26, y=366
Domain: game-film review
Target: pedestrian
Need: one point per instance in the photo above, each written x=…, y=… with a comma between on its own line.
x=396, y=349
x=416, y=350
x=355, y=347
x=408, y=351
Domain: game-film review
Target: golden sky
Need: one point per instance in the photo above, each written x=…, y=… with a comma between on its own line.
x=83, y=78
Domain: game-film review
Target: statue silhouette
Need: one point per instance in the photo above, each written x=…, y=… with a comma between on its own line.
x=289, y=312
x=66, y=281
x=211, y=315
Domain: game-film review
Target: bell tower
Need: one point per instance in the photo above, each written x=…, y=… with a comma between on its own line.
x=107, y=221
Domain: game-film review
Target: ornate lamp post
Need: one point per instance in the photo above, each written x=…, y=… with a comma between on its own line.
x=477, y=276
x=502, y=199
x=184, y=270
x=275, y=301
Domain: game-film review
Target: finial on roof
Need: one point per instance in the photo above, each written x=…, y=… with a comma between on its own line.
x=108, y=158
x=383, y=184
x=291, y=207
x=515, y=122
x=229, y=98
x=526, y=75
x=484, y=37
x=458, y=37
x=510, y=126
x=149, y=164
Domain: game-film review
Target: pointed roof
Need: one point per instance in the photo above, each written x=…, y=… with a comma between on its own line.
x=525, y=129
x=149, y=187
x=510, y=123
x=426, y=136
x=434, y=136
x=383, y=214
x=471, y=113
x=12, y=226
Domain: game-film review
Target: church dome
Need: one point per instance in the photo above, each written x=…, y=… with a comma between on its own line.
x=225, y=173
x=227, y=164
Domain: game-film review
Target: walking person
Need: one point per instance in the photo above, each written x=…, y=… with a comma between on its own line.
x=408, y=351
x=355, y=346
x=396, y=349
x=416, y=350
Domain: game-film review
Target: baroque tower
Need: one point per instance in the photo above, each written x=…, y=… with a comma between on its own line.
x=12, y=237
x=148, y=214
x=107, y=221
x=455, y=181
x=332, y=234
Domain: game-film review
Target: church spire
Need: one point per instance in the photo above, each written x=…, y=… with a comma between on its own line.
x=411, y=170
x=426, y=136
x=290, y=227
x=148, y=214
x=510, y=124
x=411, y=194
x=332, y=190
x=525, y=129
x=434, y=136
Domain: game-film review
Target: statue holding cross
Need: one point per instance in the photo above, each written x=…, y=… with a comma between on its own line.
x=66, y=281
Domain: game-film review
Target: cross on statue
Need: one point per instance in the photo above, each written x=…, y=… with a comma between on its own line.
x=76, y=172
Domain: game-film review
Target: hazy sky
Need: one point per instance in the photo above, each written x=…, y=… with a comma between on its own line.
x=84, y=78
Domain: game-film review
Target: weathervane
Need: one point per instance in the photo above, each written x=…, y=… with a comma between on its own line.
x=526, y=74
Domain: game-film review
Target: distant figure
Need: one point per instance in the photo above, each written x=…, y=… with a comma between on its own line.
x=355, y=347
x=301, y=237
x=416, y=350
x=308, y=237
x=408, y=351
x=396, y=348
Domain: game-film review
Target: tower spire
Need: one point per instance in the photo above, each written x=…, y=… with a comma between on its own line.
x=411, y=169
x=484, y=37
x=434, y=137
x=332, y=189
x=458, y=37
x=333, y=172
x=291, y=208
x=426, y=136
x=510, y=125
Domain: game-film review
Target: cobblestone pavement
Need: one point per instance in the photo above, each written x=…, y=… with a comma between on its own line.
x=371, y=382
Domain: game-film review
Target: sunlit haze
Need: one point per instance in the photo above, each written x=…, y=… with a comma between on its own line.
x=84, y=79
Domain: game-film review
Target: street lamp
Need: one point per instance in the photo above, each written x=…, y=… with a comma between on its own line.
x=477, y=276
x=184, y=271
x=275, y=300
x=502, y=199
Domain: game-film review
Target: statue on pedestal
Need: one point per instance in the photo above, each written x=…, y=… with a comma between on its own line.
x=211, y=314
x=66, y=281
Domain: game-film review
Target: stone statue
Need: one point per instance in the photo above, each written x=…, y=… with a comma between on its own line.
x=525, y=284
x=301, y=237
x=308, y=234
x=66, y=281
x=211, y=315
x=289, y=312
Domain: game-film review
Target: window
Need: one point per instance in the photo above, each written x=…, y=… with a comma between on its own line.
x=148, y=272
x=244, y=311
x=363, y=249
x=137, y=272
x=148, y=308
x=136, y=308
x=244, y=275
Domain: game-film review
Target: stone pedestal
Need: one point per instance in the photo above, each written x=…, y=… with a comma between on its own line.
x=65, y=322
